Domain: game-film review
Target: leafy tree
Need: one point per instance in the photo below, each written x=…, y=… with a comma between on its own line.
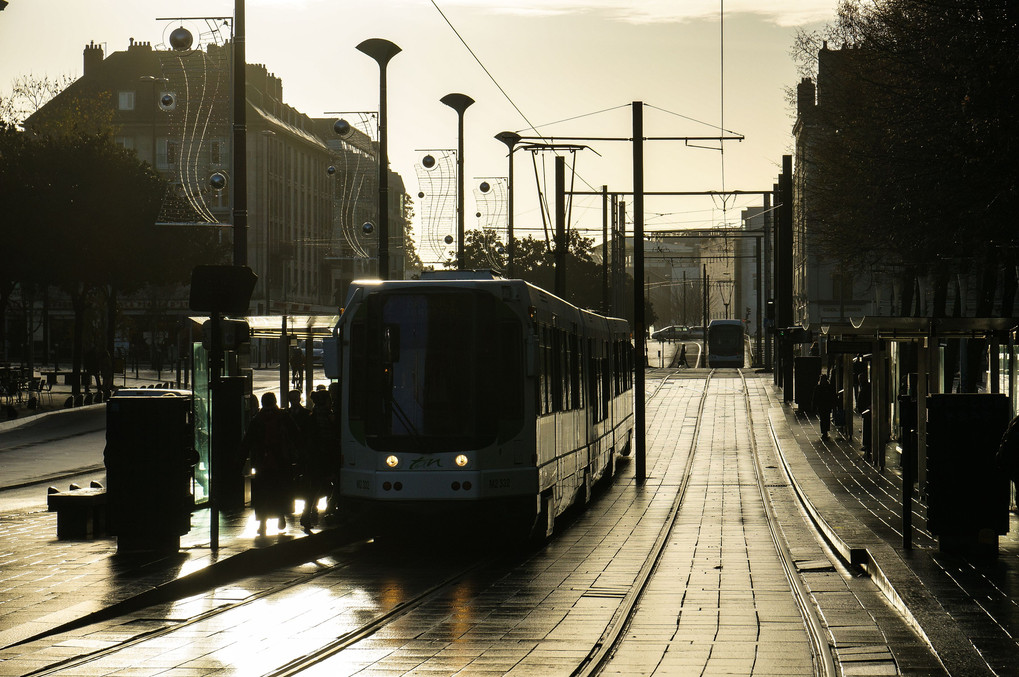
x=534, y=261
x=412, y=263
x=913, y=161
x=85, y=217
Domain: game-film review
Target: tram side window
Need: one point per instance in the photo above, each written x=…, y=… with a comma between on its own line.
x=542, y=371
x=576, y=393
x=356, y=370
x=510, y=359
x=606, y=383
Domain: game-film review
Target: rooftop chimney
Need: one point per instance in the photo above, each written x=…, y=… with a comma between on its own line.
x=93, y=56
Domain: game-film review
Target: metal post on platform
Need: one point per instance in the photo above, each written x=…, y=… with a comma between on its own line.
x=284, y=362
x=639, y=328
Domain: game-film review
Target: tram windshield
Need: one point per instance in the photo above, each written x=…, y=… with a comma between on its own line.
x=725, y=339
x=439, y=371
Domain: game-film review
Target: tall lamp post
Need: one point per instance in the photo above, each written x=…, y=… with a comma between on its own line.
x=511, y=139
x=382, y=51
x=459, y=103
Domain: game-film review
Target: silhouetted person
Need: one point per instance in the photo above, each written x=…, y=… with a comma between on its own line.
x=317, y=468
x=823, y=403
x=297, y=368
x=90, y=365
x=304, y=472
x=863, y=407
x=682, y=356
x=1008, y=453
x=269, y=443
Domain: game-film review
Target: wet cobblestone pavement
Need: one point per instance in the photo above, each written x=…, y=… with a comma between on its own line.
x=720, y=600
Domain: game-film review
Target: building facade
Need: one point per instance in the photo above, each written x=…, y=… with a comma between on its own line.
x=306, y=239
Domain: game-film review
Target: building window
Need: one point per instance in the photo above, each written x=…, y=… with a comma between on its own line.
x=126, y=101
x=166, y=154
x=126, y=142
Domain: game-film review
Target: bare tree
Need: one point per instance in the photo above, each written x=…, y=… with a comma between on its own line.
x=28, y=94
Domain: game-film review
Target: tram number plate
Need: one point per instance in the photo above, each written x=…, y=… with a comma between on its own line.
x=499, y=483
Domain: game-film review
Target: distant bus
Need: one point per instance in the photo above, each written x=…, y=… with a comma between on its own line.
x=725, y=343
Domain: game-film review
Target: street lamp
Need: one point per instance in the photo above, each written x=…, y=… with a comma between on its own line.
x=382, y=51
x=511, y=139
x=459, y=103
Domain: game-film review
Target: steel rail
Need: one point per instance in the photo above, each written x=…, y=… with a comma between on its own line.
x=821, y=648
x=620, y=620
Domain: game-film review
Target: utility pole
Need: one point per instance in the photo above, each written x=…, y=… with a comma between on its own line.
x=560, y=227
x=784, y=279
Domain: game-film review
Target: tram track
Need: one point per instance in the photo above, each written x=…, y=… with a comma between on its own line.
x=820, y=648
x=595, y=659
x=93, y=659
x=486, y=569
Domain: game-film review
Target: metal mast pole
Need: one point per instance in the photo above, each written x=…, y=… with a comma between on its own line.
x=638, y=289
x=240, y=163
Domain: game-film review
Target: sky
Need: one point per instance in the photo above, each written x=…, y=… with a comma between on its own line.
x=555, y=68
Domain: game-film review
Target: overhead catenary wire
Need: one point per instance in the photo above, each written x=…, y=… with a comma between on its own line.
x=531, y=126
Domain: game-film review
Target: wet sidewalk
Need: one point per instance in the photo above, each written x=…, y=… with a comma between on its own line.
x=49, y=585
x=966, y=607
x=965, y=610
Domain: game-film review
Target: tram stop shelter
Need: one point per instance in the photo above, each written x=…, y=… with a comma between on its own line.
x=899, y=349
x=298, y=329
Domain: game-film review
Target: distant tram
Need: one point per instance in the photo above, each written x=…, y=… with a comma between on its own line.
x=725, y=343
x=469, y=400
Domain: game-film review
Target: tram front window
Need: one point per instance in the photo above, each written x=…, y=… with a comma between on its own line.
x=432, y=371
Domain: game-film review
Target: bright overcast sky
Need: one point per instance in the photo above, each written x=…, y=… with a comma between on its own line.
x=555, y=59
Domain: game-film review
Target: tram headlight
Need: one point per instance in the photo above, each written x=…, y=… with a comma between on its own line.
x=392, y=461
x=461, y=460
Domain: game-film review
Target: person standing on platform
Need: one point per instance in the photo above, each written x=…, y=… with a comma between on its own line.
x=269, y=443
x=682, y=356
x=1008, y=457
x=297, y=368
x=305, y=475
x=824, y=402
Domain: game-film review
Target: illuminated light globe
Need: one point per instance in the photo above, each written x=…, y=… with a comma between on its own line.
x=217, y=181
x=428, y=161
x=484, y=187
x=367, y=228
x=181, y=39
x=448, y=239
x=330, y=170
x=342, y=127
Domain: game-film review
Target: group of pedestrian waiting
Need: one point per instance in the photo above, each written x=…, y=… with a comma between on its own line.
x=290, y=454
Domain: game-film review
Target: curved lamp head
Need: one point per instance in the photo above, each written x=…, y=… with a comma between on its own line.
x=509, y=138
x=380, y=49
x=458, y=102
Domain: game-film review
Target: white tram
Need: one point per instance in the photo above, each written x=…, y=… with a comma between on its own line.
x=465, y=395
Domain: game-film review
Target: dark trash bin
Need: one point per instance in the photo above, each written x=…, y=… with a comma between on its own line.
x=806, y=372
x=967, y=495
x=150, y=458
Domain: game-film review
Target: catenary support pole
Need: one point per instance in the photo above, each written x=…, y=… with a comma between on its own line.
x=638, y=291
x=560, y=227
